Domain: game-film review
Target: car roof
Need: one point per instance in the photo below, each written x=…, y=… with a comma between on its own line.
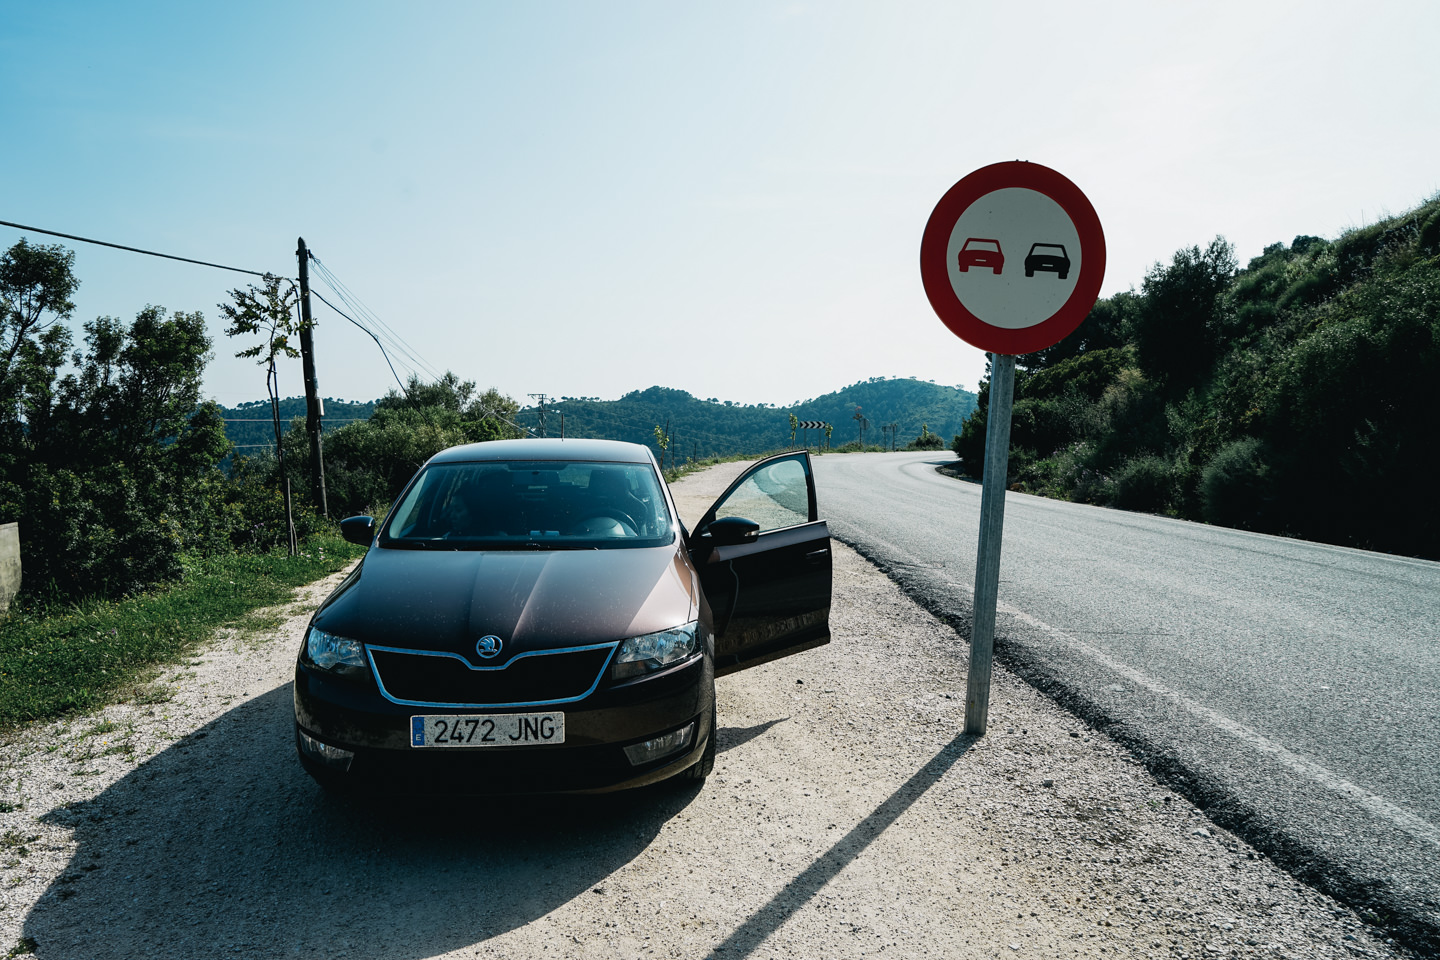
x=537, y=448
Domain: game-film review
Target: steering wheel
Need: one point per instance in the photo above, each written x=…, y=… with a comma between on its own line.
x=626, y=524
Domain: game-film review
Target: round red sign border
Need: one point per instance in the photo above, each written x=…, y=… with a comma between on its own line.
x=934, y=266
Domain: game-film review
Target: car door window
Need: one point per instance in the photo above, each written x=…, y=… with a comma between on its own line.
x=774, y=496
x=769, y=590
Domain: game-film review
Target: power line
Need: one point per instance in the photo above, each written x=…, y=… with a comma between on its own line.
x=397, y=343
x=268, y=419
x=372, y=337
x=485, y=414
x=357, y=307
x=148, y=253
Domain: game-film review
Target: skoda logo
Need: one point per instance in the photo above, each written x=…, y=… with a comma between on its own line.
x=488, y=647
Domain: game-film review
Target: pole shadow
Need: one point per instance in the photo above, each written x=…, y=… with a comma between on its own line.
x=221, y=845
x=798, y=892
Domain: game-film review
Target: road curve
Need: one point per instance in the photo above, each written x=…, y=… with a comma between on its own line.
x=1291, y=688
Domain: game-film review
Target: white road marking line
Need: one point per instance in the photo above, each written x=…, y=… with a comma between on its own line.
x=1372, y=803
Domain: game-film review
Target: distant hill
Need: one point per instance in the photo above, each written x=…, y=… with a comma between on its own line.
x=249, y=426
x=700, y=428
x=711, y=427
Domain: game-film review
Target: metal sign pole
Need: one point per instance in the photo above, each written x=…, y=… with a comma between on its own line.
x=992, y=522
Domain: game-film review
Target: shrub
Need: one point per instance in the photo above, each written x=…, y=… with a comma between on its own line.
x=1429, y=240
x=1144, y=483
x=926, y=440
x=969, y=445
x=1233, y=485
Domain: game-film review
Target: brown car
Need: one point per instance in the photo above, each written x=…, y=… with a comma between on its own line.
x=532, y=616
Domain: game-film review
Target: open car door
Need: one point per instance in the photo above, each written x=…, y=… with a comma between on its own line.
x=764, y=561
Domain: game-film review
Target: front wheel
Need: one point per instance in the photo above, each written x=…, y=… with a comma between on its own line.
x=701, y=770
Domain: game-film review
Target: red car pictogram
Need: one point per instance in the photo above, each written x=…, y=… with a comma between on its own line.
x=978, y=252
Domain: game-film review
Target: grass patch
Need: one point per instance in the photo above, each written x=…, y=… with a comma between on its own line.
x=148, y=694
x=85, y=655
x=695, y=466
x=15, y=842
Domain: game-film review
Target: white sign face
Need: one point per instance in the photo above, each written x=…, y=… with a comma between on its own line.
x=1014, y=258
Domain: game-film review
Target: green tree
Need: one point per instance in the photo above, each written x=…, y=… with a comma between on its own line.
x=662, y=440
x=270, y=312
x=36, y=283
x=118, y=477
x=1176, y=329
x=486, y=416
x=368, y=463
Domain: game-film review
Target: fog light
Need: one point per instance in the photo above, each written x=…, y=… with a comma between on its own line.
x=639, y=753
x=333, y=757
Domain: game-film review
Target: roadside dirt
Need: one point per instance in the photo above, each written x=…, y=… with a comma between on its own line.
x=847, y=816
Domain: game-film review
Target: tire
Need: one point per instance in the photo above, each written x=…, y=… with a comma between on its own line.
x=701, y=770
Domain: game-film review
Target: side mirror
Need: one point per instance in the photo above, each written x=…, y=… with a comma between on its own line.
x=359, y=530
x=732, y=530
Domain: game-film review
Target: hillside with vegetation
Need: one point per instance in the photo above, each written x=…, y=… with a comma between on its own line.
x=250, y=428
x=1293, y=395
x=371, y=449
x=712, y=427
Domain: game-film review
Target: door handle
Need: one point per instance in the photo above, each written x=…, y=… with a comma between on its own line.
x=815, y=555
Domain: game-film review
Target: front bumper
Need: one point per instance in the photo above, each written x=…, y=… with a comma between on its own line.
x=355, y=718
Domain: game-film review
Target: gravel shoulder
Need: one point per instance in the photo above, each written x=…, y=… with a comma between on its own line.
x=847, y=816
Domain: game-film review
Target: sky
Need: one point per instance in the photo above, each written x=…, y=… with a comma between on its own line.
x=589, y=198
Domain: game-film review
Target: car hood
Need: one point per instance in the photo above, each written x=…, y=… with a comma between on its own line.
x=445, y=600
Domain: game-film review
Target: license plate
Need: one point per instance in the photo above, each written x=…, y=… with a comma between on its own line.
x=488, y=730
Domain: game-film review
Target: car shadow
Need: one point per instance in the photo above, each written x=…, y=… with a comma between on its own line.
x=221, y=844
x=728, y=738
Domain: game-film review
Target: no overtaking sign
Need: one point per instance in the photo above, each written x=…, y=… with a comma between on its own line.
x=1012, y=260
x=1013, y=257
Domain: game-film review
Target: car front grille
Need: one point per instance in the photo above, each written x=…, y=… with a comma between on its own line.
x=431, y=679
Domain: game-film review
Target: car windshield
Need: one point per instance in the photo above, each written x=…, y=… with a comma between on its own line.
x=531, y=504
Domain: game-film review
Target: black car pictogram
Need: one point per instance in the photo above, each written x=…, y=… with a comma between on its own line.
x=1050, y=257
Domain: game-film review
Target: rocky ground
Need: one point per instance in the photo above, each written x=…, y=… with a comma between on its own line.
x=847, y=816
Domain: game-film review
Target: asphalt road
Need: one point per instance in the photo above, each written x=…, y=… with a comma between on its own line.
x=1291, y=689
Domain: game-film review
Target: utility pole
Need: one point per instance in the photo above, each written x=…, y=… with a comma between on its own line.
x=542, y=398
x=893, y=428
x=314, y=408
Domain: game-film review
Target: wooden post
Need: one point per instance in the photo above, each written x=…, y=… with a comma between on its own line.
x=987, y=563
x=314, y=409
x=9, y=564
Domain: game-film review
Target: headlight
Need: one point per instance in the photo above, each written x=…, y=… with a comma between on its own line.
x=640, y=655
x=337, y=654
